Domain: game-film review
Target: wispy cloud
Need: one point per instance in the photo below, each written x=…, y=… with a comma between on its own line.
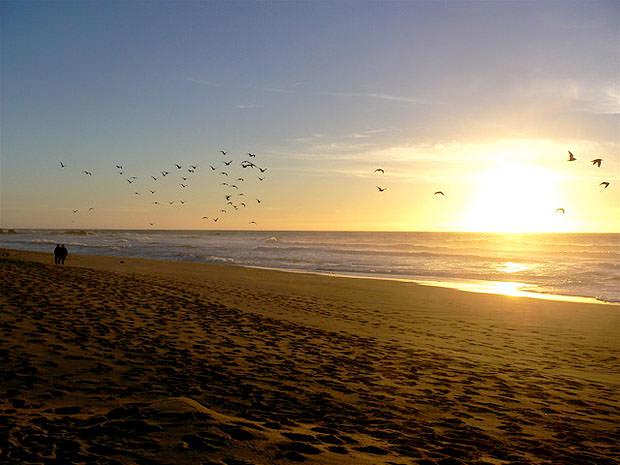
x=204, y=82
x=380, y=96
x=247, y=106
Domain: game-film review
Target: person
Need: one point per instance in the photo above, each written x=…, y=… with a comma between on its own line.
x=57, y=254
x=63, y=254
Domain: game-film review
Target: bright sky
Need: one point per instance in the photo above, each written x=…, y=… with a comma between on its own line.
x=479, y=100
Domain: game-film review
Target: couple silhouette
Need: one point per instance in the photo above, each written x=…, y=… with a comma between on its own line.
x=60, y=253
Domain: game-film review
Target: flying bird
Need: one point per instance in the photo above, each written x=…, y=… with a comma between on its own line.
x=154, y=178
x=227, y=163
x=152, y=192
x=183, y=185
x=260, y=179
x=222, y=211
x=137, y=193
x=91, y=209
x=439, y=193
x=155, y=203
x=224, y=184
x=222, y=152
x=75, y=211
x=229, y=203
x=242, y=204
x=152, y=224
x=597, y=161
x=130, y=181
x=62, y=165
x=212, y=167
x=258, y=200
x=252, y=222
x=560, y=210
x=191, y=171
x=178, y=166
x=251, y=154
x=182, y=202
x=228, y=197
x=262, y=170
x=215, y=220
x=87, y=173
x=224, y=173
x=381, y=189
x=183, y=178
x=233, y=185
x=194, y=166
x=171, y=202
x=120, y=167
x=604, y=183
x=205, y=217
x=571, y=157
x=379, y=170
x=239, y=179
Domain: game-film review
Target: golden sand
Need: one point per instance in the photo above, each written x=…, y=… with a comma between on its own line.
x=127, y=361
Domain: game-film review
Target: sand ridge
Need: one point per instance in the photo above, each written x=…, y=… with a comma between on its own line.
x=115, y=367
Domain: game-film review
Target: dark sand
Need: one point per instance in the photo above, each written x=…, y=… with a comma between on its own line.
x=149, y=362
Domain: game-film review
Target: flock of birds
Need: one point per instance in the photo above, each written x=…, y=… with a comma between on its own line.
x=571, y=157
x=233, y=197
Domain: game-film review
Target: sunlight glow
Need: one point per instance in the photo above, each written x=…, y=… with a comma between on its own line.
x=516, y=198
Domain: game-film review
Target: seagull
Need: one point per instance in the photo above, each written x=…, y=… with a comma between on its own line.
x=194, y=166
x=215, y=220
x=155, y=203
x=251, y=154
x=252, y=222
x=381, y=189
x=183, y=178
x=224, y=173
x=152, y=192
x=75, y=211
x=379, y=170
x=137, y=193
x=228, y=197
x=227, y=163
x=571, y=157
x=222, y=211
x=183, y=185
x=152, y=224
x=258, y=200
x=130, y=181
x=205, y=217
x=262, y=170
x=62, y=165
x=224, y=184
x=604, y=183
x=439, y=193
x=560, y=210
x=120, y=167
x=154, y=178
x=182, y=202
x=242, y=204
x=132, y=177
x=165, y=173
x=212, y=167
x=178, y=166
x=229, y=203
x=191, y=171
x=239, y=179
x=241, y=194
x=222, y=152
x=87, y=172
x=260, y=179
x=91, y=209
x=235, y=207
x=171, y=202
x=233, y=185
x=597, y=161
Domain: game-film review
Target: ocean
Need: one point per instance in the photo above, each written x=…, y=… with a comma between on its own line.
x=583, y=265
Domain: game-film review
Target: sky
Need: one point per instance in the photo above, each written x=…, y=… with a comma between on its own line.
x=479, y=100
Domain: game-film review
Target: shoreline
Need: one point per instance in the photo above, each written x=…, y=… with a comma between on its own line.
x=109, y=360
x=505, y=288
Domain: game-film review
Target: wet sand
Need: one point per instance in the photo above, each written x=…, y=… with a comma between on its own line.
x=127, y=361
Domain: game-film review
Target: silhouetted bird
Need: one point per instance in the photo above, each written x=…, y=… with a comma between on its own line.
x=251, y=154
x=379, y=170
x=597, y=161
x=439, y=193
x=171, y=202
x=178, y=166
x=242, y=204
x=239, y=179
x=560, y=210
x=224, y=184
x=194, y=166
x=137, y=193
x=262, y=170
x=154, y=178
x=604, y=183
x=155, y=203
x=260, y=179
x=87, y=173
x=91, y=209
x=252, y=222
x=183, y=185
x=215, y=220
x=152, y=192
x=75, y=211
x=183, y=178
x=130, y=181
x=222, y=152
x=228, y=197
x=205, y=217
x=258, y=200
x=182, y=202
x=227, y=163
x=224, y=173
x=233, y=185
x=222, y=211
x=381, y=189
x=120, y=167
x=165, y=173
x=571, y=157
x=62, y=165
x=212, y=167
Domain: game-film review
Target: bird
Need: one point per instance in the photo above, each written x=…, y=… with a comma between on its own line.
x=239, y=179
x=262, y=170
x=233, y=185
x=62, y=165
x=152, y=224
x=120, y=167
x=215, y=219
x=381, y=189
x=224, y=184
x=183, y=185
x=194, y=166
x=222, y=152
x=242, y=204
x=205, y=217
x=165, y=173
x=133, y=177
x=183, y=178
x=155, y=203
x=178, y=166
x=91, y=209
x=120, y=173
x=439, y=193
x=251, y=154
x=224, y=173
x=227, y=197
x=604, y=183
x=240, y=194
x=597, y=161
x=152, y=192
x=222, y=211
x=130, y=181
x=75, y=211
x=252, y=222
x=379, y=170
x=154, y=178
x=227, y=163
x=571, y=157
x=212, y=167
x=258, y=200
x=182, y=202
x=171, y=202
x=137, y=193
x=229, y=203
x=560, y=210
x=87, y=172
x=260, y=179
x=191, y=171
x=235, y=207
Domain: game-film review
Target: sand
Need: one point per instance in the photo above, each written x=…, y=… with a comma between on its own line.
x=126, y=361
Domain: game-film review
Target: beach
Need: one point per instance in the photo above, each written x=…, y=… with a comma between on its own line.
x=112, y=360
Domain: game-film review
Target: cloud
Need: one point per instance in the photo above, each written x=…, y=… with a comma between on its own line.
x=247, y=106
x=204, y=82
x=380, y=96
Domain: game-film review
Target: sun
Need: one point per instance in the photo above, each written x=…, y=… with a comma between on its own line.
x=516, y=198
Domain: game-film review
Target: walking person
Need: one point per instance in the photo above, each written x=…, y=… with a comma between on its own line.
x=57, y=254
x=63, y=254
